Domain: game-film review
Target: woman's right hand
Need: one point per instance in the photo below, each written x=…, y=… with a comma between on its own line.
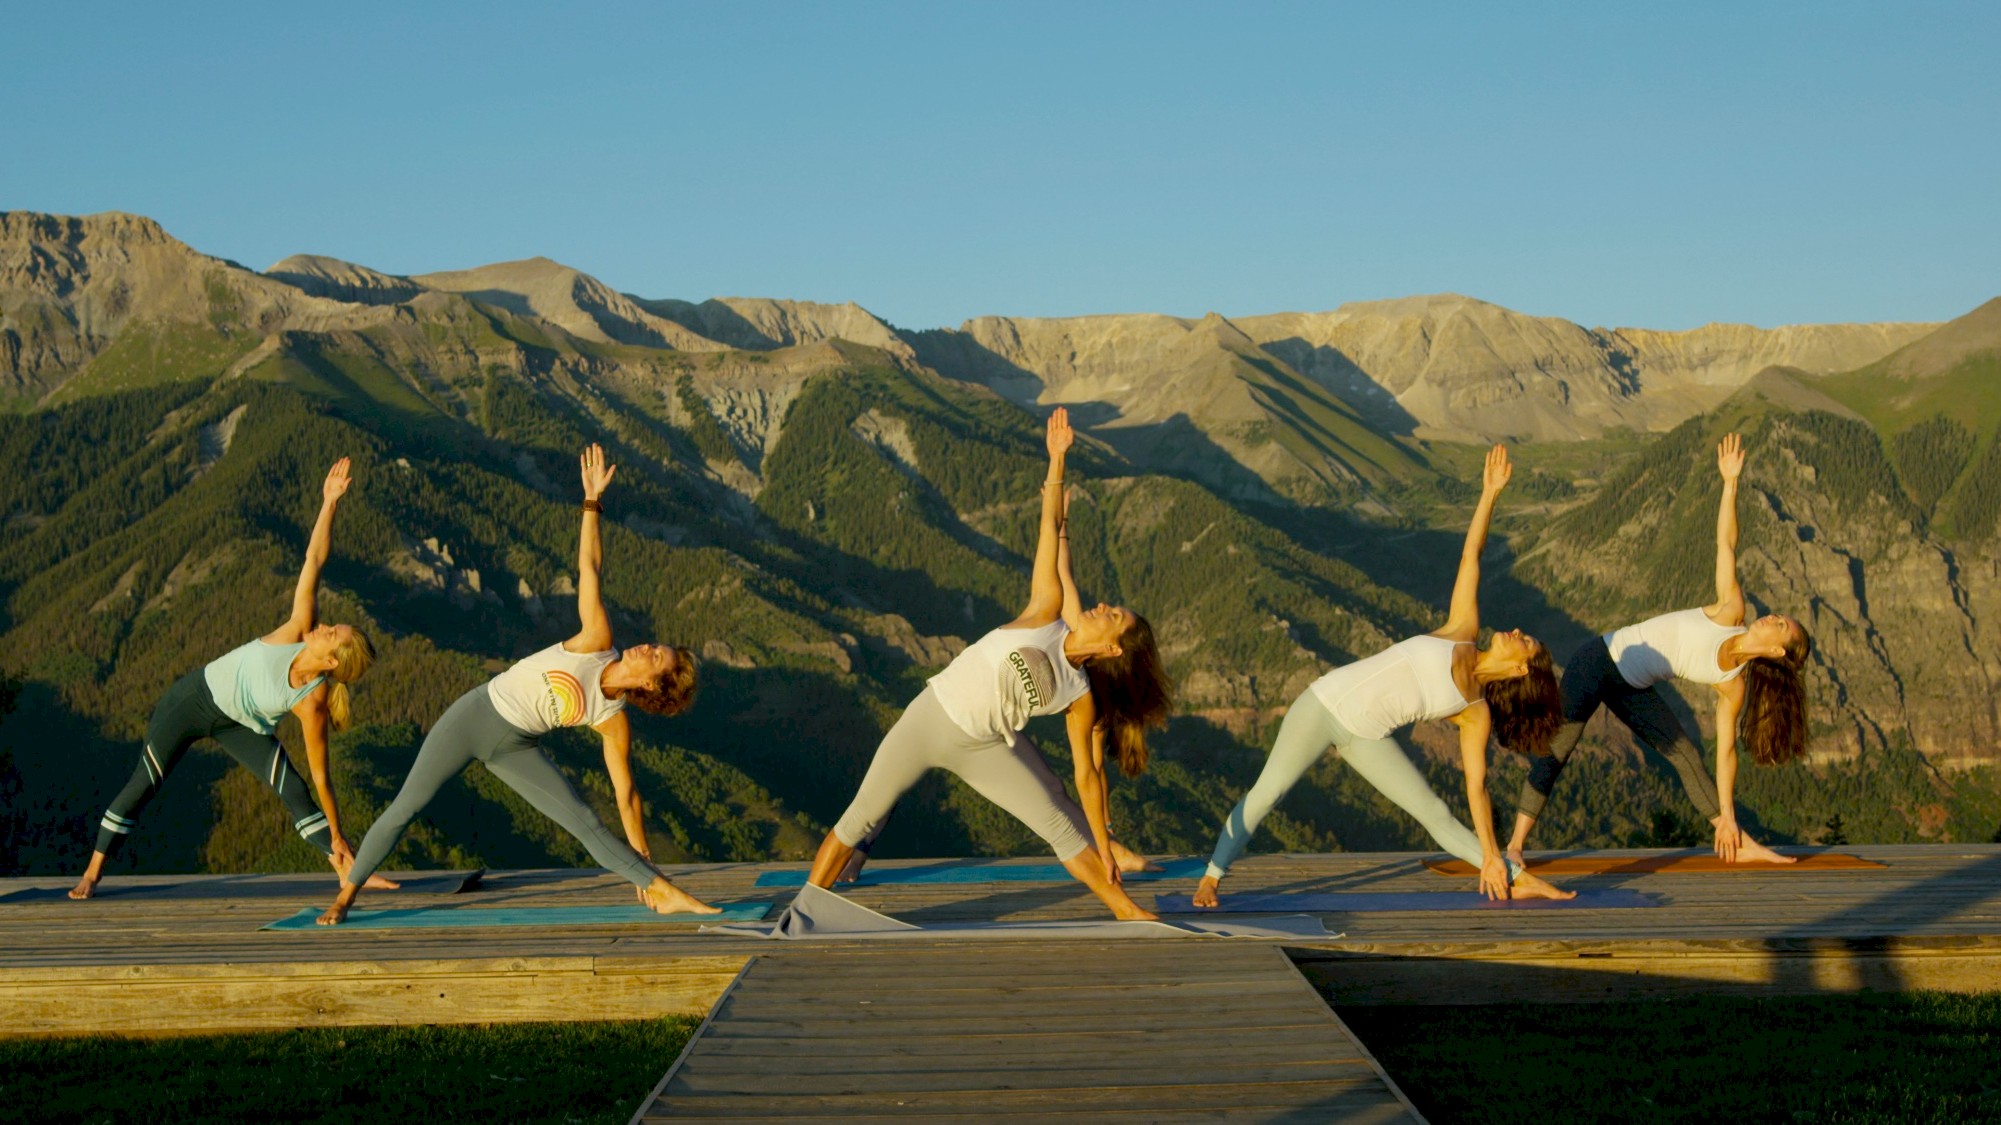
x=336, y=483
x=597, y=475
x=1730, y=457
x=1060, y=435
x=1494, y=876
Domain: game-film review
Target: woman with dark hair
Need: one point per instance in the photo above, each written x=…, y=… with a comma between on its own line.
x=238, y=699
x=580, y=682
x=1097, y=666
x=1508, y=689
x=1755, y=671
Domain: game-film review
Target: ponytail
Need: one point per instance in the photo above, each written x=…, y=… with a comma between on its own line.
x=1775, y=703
x=1132, y=693
x=352, y=659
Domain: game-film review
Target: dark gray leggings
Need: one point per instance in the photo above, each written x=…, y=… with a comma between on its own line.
x=184, y=715
x=469, y=729
x=1592, y=679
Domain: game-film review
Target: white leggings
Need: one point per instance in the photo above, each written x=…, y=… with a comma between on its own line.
x=1308, y=730
x=1011, y=774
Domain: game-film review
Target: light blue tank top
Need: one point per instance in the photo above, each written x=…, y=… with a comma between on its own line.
x=252, y=683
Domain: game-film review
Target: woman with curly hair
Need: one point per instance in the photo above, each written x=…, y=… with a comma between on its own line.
x=1508, y=689
x=1098, y=667
x=1754, y=669
x=303, y=666
x=583, y=681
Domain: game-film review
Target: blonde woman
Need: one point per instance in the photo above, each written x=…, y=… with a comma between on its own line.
x=302, y=667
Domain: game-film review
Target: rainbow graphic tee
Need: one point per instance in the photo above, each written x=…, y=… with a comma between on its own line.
x=554, y=688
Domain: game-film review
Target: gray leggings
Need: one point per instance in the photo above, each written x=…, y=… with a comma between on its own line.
x=471, y=728
x=1592, y=679
x=1308, y=730
x=1011, y=774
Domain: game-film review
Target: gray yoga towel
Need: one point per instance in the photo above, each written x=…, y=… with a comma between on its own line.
x=823, y=915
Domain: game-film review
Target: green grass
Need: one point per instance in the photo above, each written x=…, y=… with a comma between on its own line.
x=558, y=1072
x=1915, y=1057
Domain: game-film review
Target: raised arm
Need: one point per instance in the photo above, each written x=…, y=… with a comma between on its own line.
x=1462, y=622
x=1729, y=607
x=1045, y=589
x=1087, y=758
x=1476, y=725
x=1073, y=604
x=305, y=596
x=594, y=633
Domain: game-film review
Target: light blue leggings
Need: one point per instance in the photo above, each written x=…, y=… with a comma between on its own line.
x=1308, y=730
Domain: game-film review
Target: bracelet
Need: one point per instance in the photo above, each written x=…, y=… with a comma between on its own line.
x=593, y=506
x=1058, y=483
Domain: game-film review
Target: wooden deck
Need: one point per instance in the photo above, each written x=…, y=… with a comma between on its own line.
x=1205, y=1031
x=182, y=954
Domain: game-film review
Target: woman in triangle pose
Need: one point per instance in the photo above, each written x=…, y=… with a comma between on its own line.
x=1755, y=671
x=1097, y=666
x=238, y=699
x=1509, y=689
x=583, y=681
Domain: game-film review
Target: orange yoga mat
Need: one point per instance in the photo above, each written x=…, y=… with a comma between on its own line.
x=1649, y=864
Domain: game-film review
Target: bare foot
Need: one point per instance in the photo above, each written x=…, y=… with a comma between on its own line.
x=337, y=913
x=853, y=870
x=376, y=882
x=85, y=887
x=1530, y=886
x=664, y=897
x=1205, y=893
x=1748, y=851
x=1130, y=861
x=379, y=882
x=1131, y=912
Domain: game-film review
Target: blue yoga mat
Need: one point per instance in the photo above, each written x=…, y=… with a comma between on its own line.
x=420, y=917
x=1361, y=902
x=982, y=873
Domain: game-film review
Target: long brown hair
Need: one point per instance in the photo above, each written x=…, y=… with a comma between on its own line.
x=1132, y=692
x=351, y=660
x=673, y=693
x=1775, y=703
x=1527, y=709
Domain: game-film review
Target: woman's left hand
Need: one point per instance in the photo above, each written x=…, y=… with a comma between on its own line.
x=1060, y=435
x=1494, y=876
x=1494, y=475
x=1728, y=838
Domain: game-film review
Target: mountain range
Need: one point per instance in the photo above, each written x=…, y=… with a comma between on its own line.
x=828, y=506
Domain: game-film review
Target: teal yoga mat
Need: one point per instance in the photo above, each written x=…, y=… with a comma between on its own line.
x=454, y=917
x=1387, y=901
x=983, y=873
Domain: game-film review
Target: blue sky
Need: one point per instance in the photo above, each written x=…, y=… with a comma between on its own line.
x=1616, y=164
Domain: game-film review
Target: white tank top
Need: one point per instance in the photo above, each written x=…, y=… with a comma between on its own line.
x=991, y=691
x=554, y=688
x=1683, y=644
x=1406, y=682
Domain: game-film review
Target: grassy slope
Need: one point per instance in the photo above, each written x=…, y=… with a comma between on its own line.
x=571, y=1073
x=1914, y=1059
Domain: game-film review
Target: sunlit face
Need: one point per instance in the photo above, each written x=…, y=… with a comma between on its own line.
x=654, y=662
x=1774, y=630
x=1104, y=624
x=1514, y=647
x=325, y=640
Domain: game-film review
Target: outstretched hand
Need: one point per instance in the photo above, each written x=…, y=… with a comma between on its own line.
x=1060, y=434
x=336, y=482
x=597, y=474
x=1494, y=475
x=1730, y=456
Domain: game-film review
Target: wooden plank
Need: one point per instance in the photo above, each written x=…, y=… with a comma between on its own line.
x=207, y=999
x=1329, y=1097
x=1666, y=864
